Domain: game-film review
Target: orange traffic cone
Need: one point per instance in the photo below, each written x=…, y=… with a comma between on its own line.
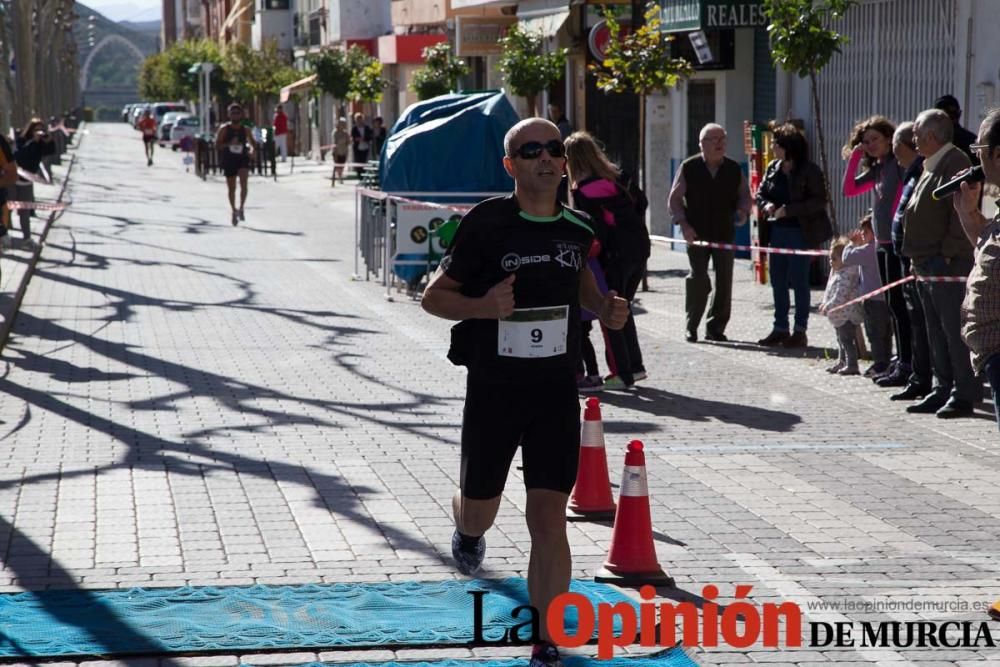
x=632, y=557
x=592, y=497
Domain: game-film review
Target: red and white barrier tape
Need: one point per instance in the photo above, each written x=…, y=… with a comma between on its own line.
x=733, y=246
x=901, y=281
x=37, y=205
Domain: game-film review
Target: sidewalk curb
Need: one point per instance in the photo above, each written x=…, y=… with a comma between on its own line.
x=10, y=311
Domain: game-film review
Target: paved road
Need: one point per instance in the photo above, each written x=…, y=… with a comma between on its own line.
x=184, y=402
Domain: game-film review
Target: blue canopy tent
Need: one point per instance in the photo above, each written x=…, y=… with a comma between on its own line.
x=448, y=145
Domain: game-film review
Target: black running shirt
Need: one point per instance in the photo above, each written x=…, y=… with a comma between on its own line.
x=547, y=254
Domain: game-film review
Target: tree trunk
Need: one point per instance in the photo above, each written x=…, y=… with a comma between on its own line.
x=813, y=88
x=532, y=104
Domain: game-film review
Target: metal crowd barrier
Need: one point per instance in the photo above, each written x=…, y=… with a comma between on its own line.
x=206, y=157
x=376, y=215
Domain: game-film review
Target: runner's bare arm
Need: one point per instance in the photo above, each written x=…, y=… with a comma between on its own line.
x=218, y=137
x=443, y=298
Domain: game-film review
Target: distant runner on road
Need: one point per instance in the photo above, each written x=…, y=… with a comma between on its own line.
x=147, y=125
x=235, y=144
x=516, y=276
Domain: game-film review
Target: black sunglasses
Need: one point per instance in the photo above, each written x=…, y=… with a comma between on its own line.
x=532, y=150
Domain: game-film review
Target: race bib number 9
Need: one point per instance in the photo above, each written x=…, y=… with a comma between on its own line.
x=534, y=333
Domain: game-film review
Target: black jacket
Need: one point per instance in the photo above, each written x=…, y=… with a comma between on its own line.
x=30, y=153
x=807, y=200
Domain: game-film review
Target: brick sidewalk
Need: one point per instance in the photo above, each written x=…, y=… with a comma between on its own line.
x=190, y=403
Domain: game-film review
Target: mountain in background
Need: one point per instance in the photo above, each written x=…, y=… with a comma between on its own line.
x=112, y=78
x=144, y=27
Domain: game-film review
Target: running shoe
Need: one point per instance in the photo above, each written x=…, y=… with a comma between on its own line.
x=28, y=244
x=639, y=376
x=6, y=241
x=616, y=382
x=545, y=655
x=236, y=218
x=242, y=217
x=589, y=383
x=468, y=561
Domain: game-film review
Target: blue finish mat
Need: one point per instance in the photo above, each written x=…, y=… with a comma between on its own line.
x=244, y=618
x=673, y=658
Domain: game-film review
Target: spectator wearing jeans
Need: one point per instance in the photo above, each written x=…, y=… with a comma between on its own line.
x=793, y=197
x=280, y=123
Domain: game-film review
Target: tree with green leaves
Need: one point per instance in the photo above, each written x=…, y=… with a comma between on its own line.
x=526, y=67
x=368, y=84
x=253, y=74
x=639, y=62
x=802, y=42
x=440, y=73
x=155, y=78
x=166, y=75
x=348, y=75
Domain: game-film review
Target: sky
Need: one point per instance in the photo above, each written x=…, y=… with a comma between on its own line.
x=127, y=10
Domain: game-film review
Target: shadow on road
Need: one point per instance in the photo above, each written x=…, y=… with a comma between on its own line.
x=661, y=403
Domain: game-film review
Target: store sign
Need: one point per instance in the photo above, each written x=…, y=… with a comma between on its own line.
x=721, y=15
x=680, y=15
x=600, y=37
x=480, y=36
x=691, y=15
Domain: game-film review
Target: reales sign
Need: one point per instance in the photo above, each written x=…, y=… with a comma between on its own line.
x=690, y=15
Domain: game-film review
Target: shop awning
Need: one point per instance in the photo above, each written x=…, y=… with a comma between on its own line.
x=691, y=15
x=299, y=86
x=548, y=23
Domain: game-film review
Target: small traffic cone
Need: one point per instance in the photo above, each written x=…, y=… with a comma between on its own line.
x=632, y=557
x=591, y=498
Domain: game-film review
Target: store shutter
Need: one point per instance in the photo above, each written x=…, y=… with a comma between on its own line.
x=900, y=58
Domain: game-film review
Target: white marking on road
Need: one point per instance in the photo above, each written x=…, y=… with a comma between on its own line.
x=794, y=591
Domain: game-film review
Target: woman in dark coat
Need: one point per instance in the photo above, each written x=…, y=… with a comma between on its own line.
x=33, y=144
x=793, y=198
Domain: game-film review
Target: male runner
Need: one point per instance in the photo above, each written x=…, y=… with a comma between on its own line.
x=236, y=146
x=516, y=276
x=147, y=125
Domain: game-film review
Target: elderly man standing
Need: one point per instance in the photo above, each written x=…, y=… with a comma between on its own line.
x=936, y=244
x=709, y=197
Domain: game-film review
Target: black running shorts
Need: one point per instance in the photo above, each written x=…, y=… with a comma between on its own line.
x=232, y=165
x=542, y=416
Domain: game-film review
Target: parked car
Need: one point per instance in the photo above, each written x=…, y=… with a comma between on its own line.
x=186, y=126
x=161, y=109
x=127, y=112
x=167, y=123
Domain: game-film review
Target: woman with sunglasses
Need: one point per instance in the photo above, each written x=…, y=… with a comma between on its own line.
x=596, y=190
